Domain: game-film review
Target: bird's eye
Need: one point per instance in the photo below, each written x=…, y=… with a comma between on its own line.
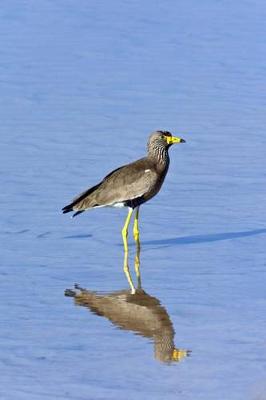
x=162, y=136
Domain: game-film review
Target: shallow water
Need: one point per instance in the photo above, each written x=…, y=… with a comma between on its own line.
x=82, y=86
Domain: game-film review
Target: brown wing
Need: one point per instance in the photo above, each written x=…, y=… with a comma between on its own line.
x=127, y=183
x=123, y=184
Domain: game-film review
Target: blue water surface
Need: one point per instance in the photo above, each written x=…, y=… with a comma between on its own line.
x=83, y=83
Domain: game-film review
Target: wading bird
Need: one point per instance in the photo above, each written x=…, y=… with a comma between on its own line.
x=130, y=186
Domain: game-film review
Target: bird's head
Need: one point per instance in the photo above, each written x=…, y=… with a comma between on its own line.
x=163, y=138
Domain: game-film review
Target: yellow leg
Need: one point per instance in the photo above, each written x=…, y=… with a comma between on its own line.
x=137, y=265
x=124, y=235
x=125, y=229
x=136, y=226
x=136, y=237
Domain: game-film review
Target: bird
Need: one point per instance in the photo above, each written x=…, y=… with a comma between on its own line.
x=130, y=186
x=142, y=313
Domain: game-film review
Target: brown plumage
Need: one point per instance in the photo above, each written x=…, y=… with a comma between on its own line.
x=130, y=186
x=140, y=313
x=133, y=184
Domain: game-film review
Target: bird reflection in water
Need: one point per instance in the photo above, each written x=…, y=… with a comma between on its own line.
x=140, y=313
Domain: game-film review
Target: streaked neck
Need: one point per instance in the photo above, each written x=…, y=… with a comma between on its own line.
x=160, y=155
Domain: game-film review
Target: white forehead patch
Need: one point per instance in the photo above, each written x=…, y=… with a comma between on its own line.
x=147, y=170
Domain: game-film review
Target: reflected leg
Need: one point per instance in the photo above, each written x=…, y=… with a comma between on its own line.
x=137, y=265
x=127, y=273
x=136, y=237
x=124, y=235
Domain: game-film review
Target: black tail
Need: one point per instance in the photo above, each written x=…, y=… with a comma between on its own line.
x=67, y=208
x=70, y=293
x=77, y=213
x=79, y=198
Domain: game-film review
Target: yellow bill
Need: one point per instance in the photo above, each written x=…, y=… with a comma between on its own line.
x=179, y=354
x=174, y=139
